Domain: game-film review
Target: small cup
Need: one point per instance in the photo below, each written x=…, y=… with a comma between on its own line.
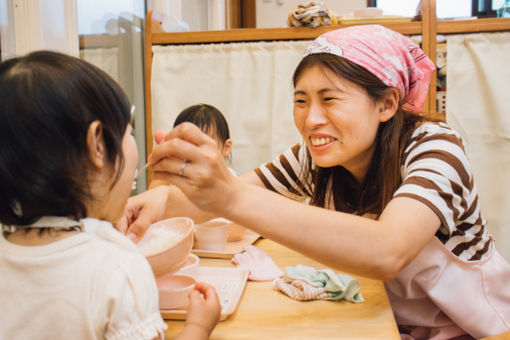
x=212, y=235
x=174, y=290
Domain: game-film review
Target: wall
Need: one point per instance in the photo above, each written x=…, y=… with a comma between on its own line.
x=273, y=13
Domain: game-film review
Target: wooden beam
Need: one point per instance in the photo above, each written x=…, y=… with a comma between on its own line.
x=99, y=40
x=266, y=34
x=249, y=14
x=235, y=17
x=148, y=104
x=429, y=34
x=434, y=116
x=473, y=26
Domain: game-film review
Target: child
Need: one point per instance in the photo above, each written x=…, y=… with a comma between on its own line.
x=67, y=161
x=210, y=121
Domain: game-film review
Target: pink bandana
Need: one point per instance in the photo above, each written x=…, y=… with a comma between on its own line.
x=388, y=55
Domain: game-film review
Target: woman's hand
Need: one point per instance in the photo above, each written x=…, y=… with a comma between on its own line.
x=190, y=159
x=142, y=210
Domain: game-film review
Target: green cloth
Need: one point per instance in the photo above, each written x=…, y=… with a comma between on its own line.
x=339, y=286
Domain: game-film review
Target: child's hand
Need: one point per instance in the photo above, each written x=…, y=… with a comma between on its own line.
x=204, y=308
x=159, y=136
x=141, y=211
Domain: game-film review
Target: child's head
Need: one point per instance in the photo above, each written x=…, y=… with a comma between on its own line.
x=211, y=121
x=63, y=131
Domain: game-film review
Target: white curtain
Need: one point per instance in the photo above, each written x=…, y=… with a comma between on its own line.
x=478, y=87
x=250, y=83
x=104, y=58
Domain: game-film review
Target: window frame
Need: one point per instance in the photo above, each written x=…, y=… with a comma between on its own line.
x=475, y=5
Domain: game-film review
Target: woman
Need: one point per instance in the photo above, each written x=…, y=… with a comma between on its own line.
x=391, y=197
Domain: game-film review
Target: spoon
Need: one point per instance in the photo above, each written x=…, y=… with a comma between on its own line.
x=138, y=173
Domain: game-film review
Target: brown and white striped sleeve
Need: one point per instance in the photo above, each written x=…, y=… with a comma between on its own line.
x=437, y=172
x=284, y=174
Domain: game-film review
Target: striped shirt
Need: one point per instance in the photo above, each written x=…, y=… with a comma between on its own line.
x=435, y=171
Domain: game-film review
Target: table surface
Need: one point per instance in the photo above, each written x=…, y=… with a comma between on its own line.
x=265, y=313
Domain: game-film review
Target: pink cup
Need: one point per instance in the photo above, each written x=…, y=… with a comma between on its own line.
x=174, y=290
x=212, y=235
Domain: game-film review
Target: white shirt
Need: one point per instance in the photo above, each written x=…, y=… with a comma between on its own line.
x=91, y=285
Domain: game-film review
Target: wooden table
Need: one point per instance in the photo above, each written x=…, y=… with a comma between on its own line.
x=264, y=313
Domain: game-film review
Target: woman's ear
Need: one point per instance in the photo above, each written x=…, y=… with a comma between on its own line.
x=227, y=148
x=389, y=105
x=95, y=144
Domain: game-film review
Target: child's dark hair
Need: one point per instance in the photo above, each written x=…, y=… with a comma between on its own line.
x=207, y=118
x=47, y=102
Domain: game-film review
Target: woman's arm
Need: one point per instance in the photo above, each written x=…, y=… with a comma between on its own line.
x=164, y=201
x=359, y=245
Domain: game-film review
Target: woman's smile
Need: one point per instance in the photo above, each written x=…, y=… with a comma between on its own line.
x=321, y=142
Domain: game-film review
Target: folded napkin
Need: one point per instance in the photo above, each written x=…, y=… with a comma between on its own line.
x=261, y=267
x=316, y=13
x=307, y=283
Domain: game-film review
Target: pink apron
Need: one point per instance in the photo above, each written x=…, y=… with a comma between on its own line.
x=446, y=297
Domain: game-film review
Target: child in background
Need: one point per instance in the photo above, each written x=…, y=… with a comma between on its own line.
x=67, y=161
x=210, y=121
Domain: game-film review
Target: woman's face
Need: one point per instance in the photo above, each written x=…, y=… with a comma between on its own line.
x=337, y=120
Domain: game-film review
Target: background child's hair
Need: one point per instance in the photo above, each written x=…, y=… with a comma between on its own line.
x=207, y=118
x=47, y=102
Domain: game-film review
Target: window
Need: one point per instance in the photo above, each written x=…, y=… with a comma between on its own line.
x=444, y=8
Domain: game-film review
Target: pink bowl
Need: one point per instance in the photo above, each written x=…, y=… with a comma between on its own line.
x=174, y=290
x=190, y=267
x=170, y=259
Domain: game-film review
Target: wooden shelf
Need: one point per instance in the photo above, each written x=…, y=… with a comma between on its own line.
x=266, y=34
x=473, y=26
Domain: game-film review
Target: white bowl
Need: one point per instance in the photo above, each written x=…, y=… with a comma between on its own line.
x=168, y=259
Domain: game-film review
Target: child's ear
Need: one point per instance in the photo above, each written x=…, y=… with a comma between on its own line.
x=95, y=144
x=389, y=105
x=227, y=148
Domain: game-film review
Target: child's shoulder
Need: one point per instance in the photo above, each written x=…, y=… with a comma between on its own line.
x=110, y=247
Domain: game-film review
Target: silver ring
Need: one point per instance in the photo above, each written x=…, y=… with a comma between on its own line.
x=182, y=168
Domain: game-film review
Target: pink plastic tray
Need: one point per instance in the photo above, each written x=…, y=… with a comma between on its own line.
x=229, y=284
